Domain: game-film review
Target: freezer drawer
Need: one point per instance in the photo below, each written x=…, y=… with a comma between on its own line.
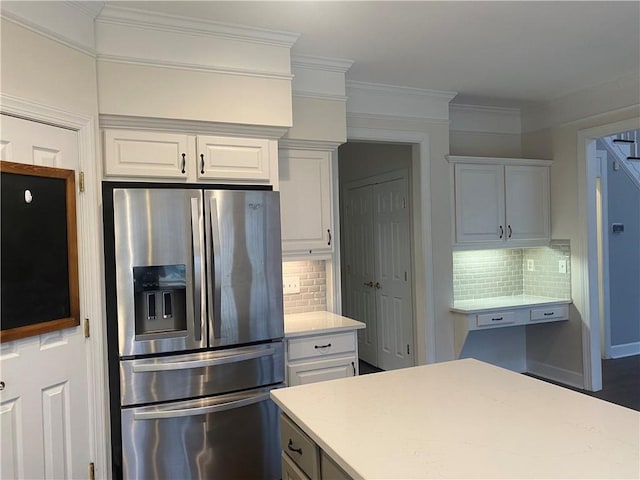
x=175, y=377
x=233, y=436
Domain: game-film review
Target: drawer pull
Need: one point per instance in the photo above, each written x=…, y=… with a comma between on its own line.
x=291, y=448
x=547, y=314
x=497, y=319
x=322, y=346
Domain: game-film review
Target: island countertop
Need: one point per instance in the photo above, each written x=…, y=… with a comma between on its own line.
x=464, y=419
x=316, y=323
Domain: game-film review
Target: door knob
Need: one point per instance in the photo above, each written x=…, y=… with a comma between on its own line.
x=370, y=284
x=378, y=286
x=2, y=386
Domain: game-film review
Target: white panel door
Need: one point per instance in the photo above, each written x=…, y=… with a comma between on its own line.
x=360, y=273
x=393, y=274
x=527, y=203
x=44, y=411
x=479, y=203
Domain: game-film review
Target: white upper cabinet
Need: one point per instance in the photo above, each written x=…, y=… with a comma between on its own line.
x=305, y=202
x=500, y=202
x=190, y=158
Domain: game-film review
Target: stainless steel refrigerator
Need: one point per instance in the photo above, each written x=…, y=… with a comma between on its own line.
x=195, y=328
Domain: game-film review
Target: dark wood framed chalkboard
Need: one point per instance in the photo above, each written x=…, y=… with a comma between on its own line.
x=39, y=251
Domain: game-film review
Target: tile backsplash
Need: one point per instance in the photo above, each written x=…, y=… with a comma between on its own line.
x=506, y=272
x=313, y=286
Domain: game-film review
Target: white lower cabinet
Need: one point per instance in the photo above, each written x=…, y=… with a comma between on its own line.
x=317, y=358
x=302, y=459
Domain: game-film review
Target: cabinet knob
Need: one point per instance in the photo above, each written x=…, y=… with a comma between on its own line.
x=368, y=284
x=1, y=386
x=378, y=286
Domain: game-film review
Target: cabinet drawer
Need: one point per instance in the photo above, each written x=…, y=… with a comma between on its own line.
x=290, y=470
x=299, y=447
x=552, y=312
x=496, y=319
x=321, y=345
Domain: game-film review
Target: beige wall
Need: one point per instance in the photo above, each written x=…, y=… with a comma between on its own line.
x=318, y=119
x=477, y=144
x=46, y=72
x=560, y=344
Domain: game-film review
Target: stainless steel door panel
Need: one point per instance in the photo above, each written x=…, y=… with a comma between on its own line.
x=233, y=436
x=244, y=255
x=176, y=377
x=156, y=227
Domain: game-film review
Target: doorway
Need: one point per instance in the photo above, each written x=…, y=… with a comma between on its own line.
x=618, y=232
x=376, y=260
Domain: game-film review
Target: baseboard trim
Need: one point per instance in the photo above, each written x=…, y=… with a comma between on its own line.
x=557, y=374
x=625, y=350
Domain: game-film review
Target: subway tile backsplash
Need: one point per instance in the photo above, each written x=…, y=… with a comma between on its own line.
x=505, y=272
x=313, y=286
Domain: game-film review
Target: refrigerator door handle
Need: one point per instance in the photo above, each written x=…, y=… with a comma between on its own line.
x=198, y=257
x=214, y=283
x=146, y=366
x=161, y=413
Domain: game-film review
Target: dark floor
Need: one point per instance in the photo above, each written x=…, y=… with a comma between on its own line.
x=620, y=381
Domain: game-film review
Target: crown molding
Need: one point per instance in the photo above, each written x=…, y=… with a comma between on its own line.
x=357, y=116
x=485, y=119
x=90, y=8
x=191, y=126
x=318, y=96
x=383, y=88
x=142, y=19
x=321, y=63
x=194, y=67
x=66, y=24
x=308, y=144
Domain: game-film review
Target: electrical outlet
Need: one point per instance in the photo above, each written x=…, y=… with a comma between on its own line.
x=562, y=266
x=290, y=285
x=530, y=265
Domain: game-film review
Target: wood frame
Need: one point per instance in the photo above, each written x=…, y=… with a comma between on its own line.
x=72, y=252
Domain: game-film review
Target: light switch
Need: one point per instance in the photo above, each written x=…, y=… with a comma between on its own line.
x=562, y=266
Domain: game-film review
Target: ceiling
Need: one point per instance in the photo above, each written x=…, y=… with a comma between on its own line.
x=492, y=53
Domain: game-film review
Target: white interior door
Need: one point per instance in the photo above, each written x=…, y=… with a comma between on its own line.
x=360, y=275
x=377, y=259
x=393, y=274
x=44, y=410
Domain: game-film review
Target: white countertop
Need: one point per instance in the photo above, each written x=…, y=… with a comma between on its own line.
x=464, y=419
x=312, y=323
x=486, y=304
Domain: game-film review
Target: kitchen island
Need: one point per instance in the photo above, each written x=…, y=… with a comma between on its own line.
x=462, y=419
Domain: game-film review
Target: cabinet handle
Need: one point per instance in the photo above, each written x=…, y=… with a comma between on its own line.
x=290, y=447
x=370, y=284
x=353, y=365
x=510, y=231
x=2, y=385
x=184, y=163
x=548, y=314
x=497, y=319
x=378, y=286
x=501, y=231
x=202, y=163
x=329, y=242
x=323, y=346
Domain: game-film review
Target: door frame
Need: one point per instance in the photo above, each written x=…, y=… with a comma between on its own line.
x=423, y=295
x=398, y=174
x=586, y=255
x=90, y=228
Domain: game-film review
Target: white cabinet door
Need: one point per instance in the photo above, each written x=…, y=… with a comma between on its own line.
x=479, y=203
x=129, y=153
x=235, y=158
x=322, y=370
x=45, y=424
x=527, y=203
x=305, y=201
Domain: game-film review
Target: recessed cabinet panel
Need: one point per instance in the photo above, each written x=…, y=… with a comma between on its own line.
x=146, y=154
x=479, y=191
x=233, y=158
x=305, y=201
x=527, y=202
